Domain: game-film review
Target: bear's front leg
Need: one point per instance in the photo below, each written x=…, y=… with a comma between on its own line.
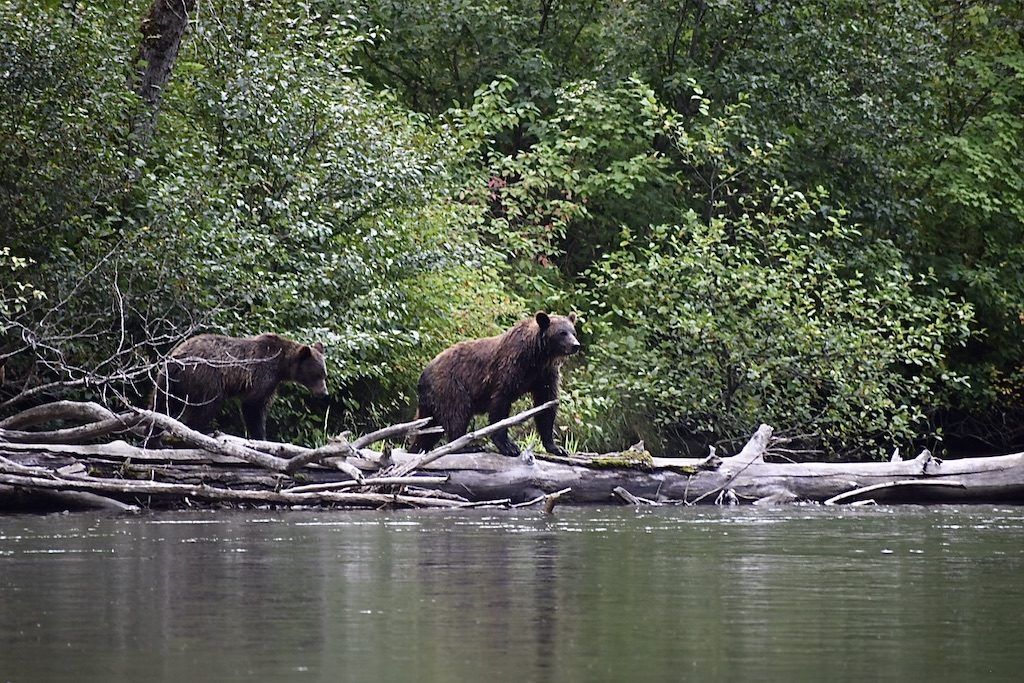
x=554, y=449
x=545, y=420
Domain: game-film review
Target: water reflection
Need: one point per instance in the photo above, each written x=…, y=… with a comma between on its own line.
x=590, y=594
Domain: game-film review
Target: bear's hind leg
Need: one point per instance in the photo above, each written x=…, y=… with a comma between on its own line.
x=199, y=415
x=421, y=443
x=455, y=423
x=545, y=422
x=500, y=408
x=255, y=415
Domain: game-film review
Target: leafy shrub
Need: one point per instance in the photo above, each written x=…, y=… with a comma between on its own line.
x=708, y=330
x=278, y=193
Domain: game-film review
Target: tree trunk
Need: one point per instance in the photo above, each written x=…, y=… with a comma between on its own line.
x=162, y=32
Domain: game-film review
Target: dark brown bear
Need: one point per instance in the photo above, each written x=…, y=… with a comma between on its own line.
x=202, y=372
x=487, y=375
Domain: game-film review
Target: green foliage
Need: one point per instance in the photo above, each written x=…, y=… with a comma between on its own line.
x=714, y=328
x=279, y=193
x=15, y=294
x=65, y=114
x=907, y=114
x=391, y=177
x=439, y=54
x=556, y=185
x=972, y=188
x=64, y=121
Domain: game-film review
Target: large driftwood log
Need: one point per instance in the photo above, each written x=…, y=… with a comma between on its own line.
x=230, y=470
x=745, y=477
x=490, y=476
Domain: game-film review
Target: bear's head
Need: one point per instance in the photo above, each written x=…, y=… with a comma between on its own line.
x=310, y=370
x=558, y=333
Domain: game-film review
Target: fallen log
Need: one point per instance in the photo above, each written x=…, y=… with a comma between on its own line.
x=44, y=466
x=16, y=475
x=746, y=477
x=490, y=476
x=223, y=469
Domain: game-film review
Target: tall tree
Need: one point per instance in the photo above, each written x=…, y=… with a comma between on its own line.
x=162, y=33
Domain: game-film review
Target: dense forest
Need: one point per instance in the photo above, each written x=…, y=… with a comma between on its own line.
x=809, y=214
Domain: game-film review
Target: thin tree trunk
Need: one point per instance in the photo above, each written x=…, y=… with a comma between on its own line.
x=162, y=32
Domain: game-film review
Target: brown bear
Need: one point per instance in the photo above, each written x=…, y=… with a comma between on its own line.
x=202, y=372
x=487, y=375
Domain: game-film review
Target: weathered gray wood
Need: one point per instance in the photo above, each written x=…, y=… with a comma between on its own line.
x=856, y=493
x=630, y=499
x=57, y=410
x=458, y=444
x=540, y=499
x=201, y=492
x=224, y=461
x=488, y=476
x=93, y=430
x=626, y=496
x=480, y=476
x=375, y=481
x=199, y=440
x=402, y=430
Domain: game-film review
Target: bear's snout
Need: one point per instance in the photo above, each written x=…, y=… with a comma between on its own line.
x=572, y=346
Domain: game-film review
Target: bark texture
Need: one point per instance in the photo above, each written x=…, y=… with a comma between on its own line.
x=162, y=31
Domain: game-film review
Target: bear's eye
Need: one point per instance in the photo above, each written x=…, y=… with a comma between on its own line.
x=564, y=333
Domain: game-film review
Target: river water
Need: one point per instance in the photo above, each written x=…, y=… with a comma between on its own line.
x=588, y=594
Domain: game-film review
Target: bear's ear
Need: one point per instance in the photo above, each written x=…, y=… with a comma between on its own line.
x=543, y=320
x=305, y=352
x=319, y=347
x=572, y=318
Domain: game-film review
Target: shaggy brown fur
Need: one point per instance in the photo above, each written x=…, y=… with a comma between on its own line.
x=204, y=371
x=487, y=375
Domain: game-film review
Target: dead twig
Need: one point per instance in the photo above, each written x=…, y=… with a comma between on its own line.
x=541, y=498
x=630, y=499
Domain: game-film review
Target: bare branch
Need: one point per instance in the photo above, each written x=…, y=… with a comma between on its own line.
x=59, y=410
x=113, y=425
x=856, y=493
x=376, y=481
x=389, y=432
x=465, y=440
